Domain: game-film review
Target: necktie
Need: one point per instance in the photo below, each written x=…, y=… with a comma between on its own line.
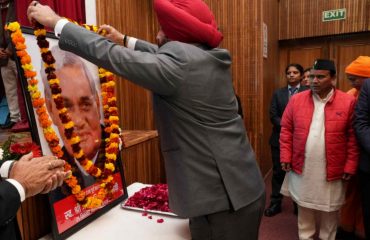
x=292, y=91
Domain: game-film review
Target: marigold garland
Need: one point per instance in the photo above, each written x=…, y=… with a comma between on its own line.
x=110, y=109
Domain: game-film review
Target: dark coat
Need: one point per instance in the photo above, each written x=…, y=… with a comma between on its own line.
x=9, y=204
x=362, y=126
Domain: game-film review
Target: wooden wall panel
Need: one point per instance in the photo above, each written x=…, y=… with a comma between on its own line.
x=141, y=166
x=270, y=83
x=303, y=18
x=241, y=25
x=134, y=18
x=344, y=52
x=304, y=55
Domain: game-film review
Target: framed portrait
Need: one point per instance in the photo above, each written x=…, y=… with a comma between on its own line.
x=81, y=93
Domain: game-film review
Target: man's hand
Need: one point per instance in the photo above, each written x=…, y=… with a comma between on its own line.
x=3, y=53
x=286, y=167
x=112, y=34
x=38, y=175
x=42, y=14
x=346, y=176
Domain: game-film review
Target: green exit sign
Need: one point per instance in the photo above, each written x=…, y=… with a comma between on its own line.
x=334, y=15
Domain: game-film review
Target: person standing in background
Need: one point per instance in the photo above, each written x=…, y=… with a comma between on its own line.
x=294, y=74
x=306, y=80
x=319, y=150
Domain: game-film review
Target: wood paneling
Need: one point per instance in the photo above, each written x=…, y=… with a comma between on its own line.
x=303, y=18
x=344, y=51
x=270, y=83
x=141, y=165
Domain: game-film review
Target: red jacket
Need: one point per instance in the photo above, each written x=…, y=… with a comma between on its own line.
x=340, y=142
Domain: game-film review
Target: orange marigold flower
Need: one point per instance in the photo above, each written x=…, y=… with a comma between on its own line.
x=26, y=59
x=30, y=74
x=38, y=102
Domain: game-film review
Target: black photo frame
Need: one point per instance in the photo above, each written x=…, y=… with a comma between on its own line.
x=65, y=222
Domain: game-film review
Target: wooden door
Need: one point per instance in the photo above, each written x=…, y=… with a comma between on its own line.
x=344, y=52
x=342, y=49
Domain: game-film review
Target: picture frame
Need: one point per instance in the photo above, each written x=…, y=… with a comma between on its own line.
x=68, y=216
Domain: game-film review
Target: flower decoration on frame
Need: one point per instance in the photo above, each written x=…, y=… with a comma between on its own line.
x=113, y=141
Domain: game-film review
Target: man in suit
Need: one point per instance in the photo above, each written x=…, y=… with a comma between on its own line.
x=362, y=129
x=294, y=74
x=22, y=179
x=212, y=173
x=82, y=100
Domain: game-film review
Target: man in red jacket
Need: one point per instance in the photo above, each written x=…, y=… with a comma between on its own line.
x=319, y=150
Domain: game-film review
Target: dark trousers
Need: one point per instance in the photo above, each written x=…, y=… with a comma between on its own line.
x=365, y=197
x=229, y=225
x=277, y=176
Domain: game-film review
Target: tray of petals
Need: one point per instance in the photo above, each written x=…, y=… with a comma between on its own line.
x=149, y=199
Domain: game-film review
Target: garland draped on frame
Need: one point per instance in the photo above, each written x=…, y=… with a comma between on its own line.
x=110, y=110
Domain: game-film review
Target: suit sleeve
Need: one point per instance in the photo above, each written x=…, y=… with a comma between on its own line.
x=352, y=147
x=274, y=110
x=286, y=134
x=9, y=202
x=362, y=121
x=161, y=73
x=146, y=46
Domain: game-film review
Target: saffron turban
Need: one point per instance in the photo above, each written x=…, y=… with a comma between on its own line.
x=189, y=21
x=359, y=67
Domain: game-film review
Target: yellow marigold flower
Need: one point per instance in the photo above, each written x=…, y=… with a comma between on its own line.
x=111, y=156
x=54, y=81
x=63, y=110
x=69, y=125
x=101, y=70
x=76, y=189
x=108, y=179
x=113, y=145
x=102, y=185
x=88, y=165
x=75, y=140
x=111, y=84
x=108, y=74
x=32, y=88
x=110, y=166
x=44, y=50
x=55, y=96
x=36, y=95
x=113, y=118
x=95, y=28
x=48, y=130
x=13, y=26
x=112, y=99
x=39, y=32
x=79, y=154
x=28, y=67
x=88, y=202
x=114, y=135
x=49, y=65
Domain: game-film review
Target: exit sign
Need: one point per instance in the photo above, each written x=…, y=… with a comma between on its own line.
x=334, y=15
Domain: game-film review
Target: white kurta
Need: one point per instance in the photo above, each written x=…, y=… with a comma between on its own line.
x=311, y=189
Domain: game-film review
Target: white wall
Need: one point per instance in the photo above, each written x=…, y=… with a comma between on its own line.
x=90, y=8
